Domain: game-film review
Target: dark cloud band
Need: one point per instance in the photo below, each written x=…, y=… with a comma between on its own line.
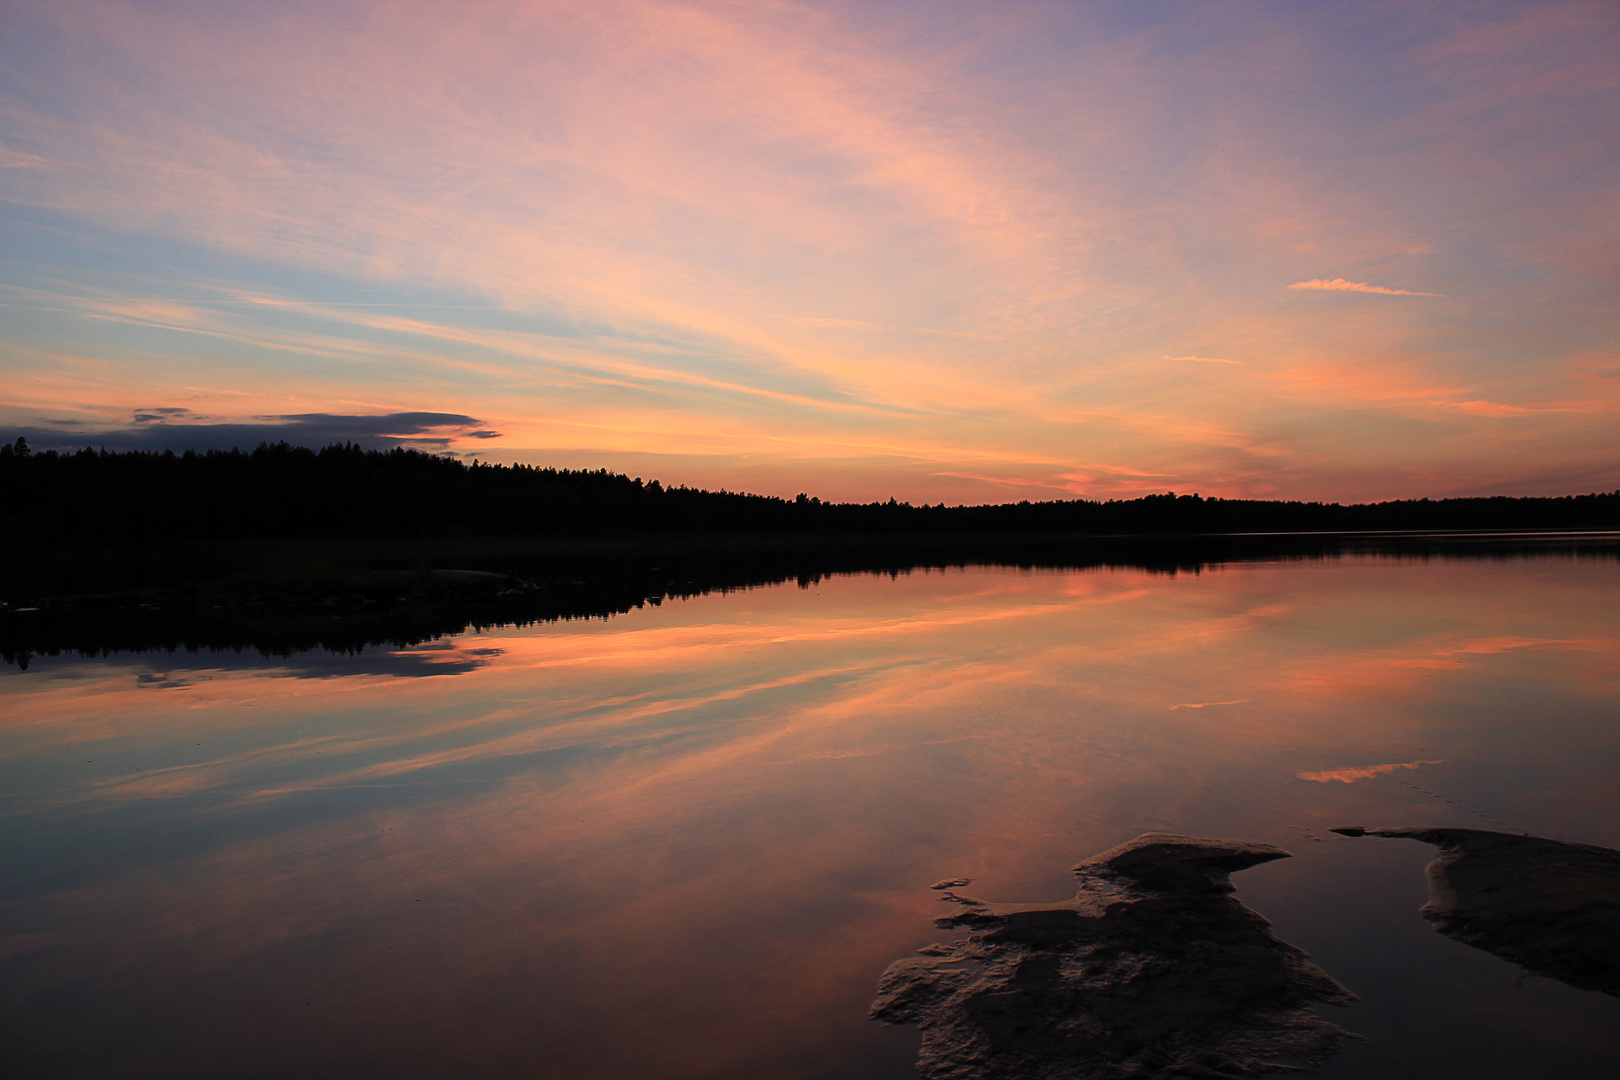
x=158, y=429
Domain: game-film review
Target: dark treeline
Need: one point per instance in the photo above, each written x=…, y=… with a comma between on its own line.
x=97, y=497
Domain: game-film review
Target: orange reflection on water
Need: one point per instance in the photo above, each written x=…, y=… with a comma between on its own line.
x=683, y=842
x=1350, y=776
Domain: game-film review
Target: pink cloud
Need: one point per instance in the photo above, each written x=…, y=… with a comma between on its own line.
x=1494, y=408
x=1341, y=285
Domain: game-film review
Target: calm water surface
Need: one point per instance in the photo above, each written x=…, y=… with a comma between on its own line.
x=684, y=842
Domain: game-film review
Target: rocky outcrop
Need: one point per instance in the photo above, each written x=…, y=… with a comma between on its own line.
x=1550, y=906
x=1153, y=969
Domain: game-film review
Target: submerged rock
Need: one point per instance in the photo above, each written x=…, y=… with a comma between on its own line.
x=1153, y=970
x=1549, y=906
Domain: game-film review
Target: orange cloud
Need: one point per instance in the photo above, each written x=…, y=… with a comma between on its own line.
x=1494, y=408
x=1341, y=285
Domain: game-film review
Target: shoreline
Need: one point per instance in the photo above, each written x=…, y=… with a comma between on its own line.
x=346, y=594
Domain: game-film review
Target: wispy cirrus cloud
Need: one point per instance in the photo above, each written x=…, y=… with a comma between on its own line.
x=16, y=159
x=1341, y=285
x=843, y=249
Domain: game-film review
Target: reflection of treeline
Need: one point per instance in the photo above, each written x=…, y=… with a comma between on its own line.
x=281, y=491
x=346, y=596
x=282, y=596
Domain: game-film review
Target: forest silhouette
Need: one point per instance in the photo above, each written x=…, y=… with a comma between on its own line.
x=285, y=549
x=279, y=490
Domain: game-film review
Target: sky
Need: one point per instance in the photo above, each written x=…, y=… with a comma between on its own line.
x=939, y=251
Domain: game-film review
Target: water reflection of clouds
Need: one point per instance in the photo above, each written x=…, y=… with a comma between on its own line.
x=429, y=659
x=774, y=675
x=1351, y=774
x=1399, y=669
x=660, y=807
x=170, y=670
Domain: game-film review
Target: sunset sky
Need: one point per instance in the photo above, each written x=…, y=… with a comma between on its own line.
x=941, y=251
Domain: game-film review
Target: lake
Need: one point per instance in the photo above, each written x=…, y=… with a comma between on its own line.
x=685, y=841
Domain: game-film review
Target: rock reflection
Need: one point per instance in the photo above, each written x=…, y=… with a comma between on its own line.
x=1549, y=906
x=1153, y=969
